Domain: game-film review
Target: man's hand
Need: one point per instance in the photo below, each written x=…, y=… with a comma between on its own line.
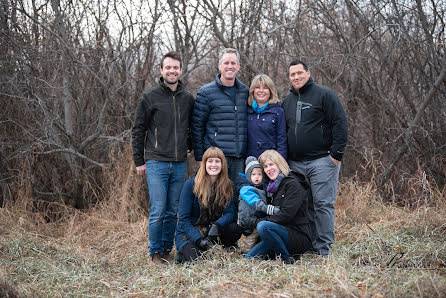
x=334, y=160
x=141, y=170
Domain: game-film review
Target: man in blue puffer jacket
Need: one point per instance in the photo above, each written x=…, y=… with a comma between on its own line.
x=220, y=114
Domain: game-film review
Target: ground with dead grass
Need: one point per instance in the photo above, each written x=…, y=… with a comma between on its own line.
x=382, y=250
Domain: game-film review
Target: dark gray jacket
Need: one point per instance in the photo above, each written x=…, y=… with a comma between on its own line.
x=162, y=124
x=246, y=214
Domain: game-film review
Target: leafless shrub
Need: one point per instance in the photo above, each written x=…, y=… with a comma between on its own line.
x=72, y=73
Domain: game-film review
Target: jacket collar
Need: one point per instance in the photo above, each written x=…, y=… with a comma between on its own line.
x=304, y=88
x=270, y=106
x=237, y=82
x=180, y=86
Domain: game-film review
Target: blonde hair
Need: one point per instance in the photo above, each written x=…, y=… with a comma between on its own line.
x=277, y=159
x=203, y=183
x=266, y=81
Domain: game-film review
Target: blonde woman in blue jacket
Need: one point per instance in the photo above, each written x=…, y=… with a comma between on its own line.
x=266, y=118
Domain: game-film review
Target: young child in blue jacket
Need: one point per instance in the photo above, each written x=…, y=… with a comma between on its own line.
x=252, y=206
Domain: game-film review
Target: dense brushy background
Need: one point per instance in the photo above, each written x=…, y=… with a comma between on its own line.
x=72, y=73
x=73, y=216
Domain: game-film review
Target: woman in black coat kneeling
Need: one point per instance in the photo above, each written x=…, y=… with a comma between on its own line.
x=287, y=232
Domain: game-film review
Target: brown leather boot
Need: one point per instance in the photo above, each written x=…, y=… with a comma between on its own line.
x=167, y=256
x=157, y=260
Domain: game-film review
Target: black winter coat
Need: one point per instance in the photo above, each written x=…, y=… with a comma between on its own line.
x=292, y=198
x=318, y=126
x=162, y=124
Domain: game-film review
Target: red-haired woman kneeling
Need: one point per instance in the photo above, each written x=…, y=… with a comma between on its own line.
x=207, y=211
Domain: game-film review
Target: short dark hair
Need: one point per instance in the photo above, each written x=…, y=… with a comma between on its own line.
x=297, y=62
x=173, y=55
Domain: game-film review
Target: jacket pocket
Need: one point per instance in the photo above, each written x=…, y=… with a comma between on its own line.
x=156, y=138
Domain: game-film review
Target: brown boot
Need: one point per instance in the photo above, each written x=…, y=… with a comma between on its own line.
x=250, y=242
x=157, y=260
x=167, y=256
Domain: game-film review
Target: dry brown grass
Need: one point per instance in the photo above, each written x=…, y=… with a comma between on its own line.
x=381, y=249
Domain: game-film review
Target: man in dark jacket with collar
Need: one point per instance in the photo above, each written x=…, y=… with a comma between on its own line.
x=160, y=140
x=317, y=136
x=220, y=114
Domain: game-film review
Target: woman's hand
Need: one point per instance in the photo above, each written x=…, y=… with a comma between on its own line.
x=203, y=244
x=213, y=234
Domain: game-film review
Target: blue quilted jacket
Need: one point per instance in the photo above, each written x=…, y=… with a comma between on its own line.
x=267, y=130
x=218, y=121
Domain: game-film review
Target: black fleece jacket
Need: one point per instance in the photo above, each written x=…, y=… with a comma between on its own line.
x=162, y=124
x=322, y=127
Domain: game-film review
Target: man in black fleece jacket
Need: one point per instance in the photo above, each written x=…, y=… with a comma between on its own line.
x=317, y=135
x=160, y=140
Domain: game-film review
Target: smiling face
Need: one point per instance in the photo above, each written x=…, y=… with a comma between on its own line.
x=271, y=169
x=213, y=167
x=171, y=71
x=298, y=76
x=262, y=94
x=228, y=66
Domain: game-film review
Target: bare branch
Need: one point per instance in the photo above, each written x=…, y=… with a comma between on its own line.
x=75, y=153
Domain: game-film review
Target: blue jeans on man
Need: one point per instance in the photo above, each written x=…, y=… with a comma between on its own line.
x=323, y=175
x=165, y=180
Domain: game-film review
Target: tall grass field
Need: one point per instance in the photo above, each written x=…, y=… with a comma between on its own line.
x=382, y=249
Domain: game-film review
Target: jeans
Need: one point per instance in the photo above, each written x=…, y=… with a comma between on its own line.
x=323, y=175
x=165, y=180
x=274, y=241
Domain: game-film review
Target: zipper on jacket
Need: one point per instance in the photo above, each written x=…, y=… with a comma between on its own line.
x=297, y=111
x=236, y=126
x=175, y=127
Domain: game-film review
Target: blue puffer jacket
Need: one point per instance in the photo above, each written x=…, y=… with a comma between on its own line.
x=189, y=212
x=219, y=121
x=267, y=130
